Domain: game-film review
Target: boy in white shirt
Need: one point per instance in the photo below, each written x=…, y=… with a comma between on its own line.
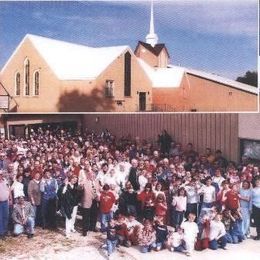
x=217, y=233
x=175, y=241
x=191, y=230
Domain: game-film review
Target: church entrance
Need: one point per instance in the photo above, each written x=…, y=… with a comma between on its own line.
x=142, y=101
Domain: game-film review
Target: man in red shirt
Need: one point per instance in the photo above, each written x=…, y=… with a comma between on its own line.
x=232, y=198
x=107, y=200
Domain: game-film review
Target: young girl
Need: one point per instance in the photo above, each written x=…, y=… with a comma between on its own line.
x=180, y=204
x=161, y=207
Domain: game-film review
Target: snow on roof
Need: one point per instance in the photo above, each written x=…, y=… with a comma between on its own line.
x=163, y=77
x=73, y=61
x=222, y=80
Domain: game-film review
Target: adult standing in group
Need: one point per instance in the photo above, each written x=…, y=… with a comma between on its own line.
x=256, y=207
x=133, y=176
x=245, y=199
x=4, y=207
x=49, y=188
x=34, y=195
x=89, y=202
x=69, y=197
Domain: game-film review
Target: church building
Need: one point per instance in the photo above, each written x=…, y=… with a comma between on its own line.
x=49, y=75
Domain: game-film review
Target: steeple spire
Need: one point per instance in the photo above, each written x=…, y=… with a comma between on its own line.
x=152, y=37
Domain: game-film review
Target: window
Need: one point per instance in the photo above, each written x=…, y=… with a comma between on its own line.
x=109, y=88
x=26, y=77
x=36, y=80
x=127, y=89
x=17, y=84
x=250, y=149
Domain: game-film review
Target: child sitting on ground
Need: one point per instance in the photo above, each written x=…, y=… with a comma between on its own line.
x=147, y=237
x=161, y=233
x=132, y=226
x=176, y=241
x=226, y=219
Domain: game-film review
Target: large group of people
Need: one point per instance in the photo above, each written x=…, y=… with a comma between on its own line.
x=154, y=195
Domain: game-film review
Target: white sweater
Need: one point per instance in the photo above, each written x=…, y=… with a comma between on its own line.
x=217, y=230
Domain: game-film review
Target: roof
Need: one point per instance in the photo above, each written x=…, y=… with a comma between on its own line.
x=156, y=50
x=163, y=77
x=171, y=77
x=71, y=61
x=222, y=80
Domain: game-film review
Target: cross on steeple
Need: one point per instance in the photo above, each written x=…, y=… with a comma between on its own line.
x=152, y=37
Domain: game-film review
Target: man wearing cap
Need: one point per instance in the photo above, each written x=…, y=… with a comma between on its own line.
x=4, y=207
x=23, y=217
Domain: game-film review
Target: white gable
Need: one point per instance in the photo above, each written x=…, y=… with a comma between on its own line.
x=73, y=61
x=163, y=77
x=172, y=76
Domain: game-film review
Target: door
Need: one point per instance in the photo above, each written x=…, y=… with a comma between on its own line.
x=142, y=101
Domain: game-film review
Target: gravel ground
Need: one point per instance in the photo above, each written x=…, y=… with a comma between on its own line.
x=47, y=245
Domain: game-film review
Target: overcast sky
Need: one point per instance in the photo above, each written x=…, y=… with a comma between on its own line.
x=210, y=35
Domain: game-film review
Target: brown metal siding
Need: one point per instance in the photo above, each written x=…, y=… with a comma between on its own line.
x=217, y=131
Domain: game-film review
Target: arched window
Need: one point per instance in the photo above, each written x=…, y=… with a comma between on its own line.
x=26, y=77
x=36, y=83
x=17, y=84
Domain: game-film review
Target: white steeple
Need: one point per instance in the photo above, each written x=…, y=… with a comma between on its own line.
x=152, y=37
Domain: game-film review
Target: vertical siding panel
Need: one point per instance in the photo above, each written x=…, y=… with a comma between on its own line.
x=234, y=135
x=222, y=118
x=204, y=132
x=199, y=122
x=228, y=138
x=218, y=131
x=213, y=131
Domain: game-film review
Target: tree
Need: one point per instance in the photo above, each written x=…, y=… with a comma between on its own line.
x=249, y=78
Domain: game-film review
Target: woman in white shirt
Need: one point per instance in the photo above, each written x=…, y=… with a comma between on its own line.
x=17, y=187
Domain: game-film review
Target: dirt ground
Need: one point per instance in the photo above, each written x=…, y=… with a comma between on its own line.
x=47, y=245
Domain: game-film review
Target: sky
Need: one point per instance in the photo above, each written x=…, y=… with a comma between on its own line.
x=209, y=35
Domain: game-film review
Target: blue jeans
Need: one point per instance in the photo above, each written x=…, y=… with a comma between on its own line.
x=28, y=227
x=111, y=245
x=180, y=248
x=229, y=238
x=145, y=249
x=104, y=219
x=214, y=244
x=4, y=217
x=178, y=218
x=237, y=238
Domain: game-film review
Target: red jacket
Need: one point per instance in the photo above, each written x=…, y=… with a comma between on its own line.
x=107, y=200
x=232, y=201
